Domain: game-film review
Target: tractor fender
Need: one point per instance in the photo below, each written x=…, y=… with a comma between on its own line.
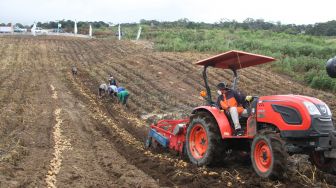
x=219, y=116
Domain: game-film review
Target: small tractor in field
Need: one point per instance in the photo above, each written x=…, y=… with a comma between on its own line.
x=276, y=126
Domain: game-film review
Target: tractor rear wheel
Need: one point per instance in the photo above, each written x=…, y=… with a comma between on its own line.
x=327, y=165
x=203, y=140
x=268, y=155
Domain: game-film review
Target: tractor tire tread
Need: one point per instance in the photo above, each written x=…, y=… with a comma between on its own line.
x=215, y=146
x=279, y=155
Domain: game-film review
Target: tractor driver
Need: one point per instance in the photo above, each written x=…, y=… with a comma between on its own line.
x=233, y=101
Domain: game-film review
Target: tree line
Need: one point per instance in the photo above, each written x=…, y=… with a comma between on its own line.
x=317, y=29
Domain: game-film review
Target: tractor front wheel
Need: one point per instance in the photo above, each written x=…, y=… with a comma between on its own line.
x=327, y=165
x=203, y=140
x=268, y=155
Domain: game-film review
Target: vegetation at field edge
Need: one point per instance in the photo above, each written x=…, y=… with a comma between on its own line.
x=301, y=57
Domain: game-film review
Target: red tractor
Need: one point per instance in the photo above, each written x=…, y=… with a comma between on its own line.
x=277, y=126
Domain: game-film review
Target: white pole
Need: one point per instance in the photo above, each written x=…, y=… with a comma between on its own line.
x=75, y=29
x=90, y=31
x=33, y=29
x=58, y=27
x=139, y=33
x=119, y=33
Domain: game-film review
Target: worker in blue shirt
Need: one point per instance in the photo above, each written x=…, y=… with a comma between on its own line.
x=122, y=95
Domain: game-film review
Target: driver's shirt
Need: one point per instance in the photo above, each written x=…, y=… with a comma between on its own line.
x=229, y=99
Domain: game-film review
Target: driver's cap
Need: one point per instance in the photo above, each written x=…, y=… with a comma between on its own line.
x=222, y=86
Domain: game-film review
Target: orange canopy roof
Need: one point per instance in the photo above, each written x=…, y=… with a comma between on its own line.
x=235, y=60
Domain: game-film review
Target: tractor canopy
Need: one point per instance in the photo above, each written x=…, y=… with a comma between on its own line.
x=235, y=60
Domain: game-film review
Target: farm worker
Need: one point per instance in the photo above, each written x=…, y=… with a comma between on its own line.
x=113, y=89
x=74, y=70
x=233, y=101
x=112, y=81
x=123, y=96
x=102, y=89
x=120, y=89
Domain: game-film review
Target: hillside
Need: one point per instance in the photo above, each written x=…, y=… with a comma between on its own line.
x=299, y=56
x=100, y=143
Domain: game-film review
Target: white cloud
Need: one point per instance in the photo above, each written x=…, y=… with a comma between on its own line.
x=286, y=11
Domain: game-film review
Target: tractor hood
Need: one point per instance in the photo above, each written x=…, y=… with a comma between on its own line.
x=291, y=98
x=235, y=60
x=296, y=116
x=311, y=105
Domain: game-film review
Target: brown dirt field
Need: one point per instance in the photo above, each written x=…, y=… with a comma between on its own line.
x=55, y=132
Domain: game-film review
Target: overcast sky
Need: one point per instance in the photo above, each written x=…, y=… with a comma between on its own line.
x=119, y=11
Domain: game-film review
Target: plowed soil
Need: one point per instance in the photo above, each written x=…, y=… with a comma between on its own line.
x=56, y=132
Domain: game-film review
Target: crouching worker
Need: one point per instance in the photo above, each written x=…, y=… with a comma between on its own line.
x=233, y=101
x=123, y=96
x=112, y=90
x=102, y=90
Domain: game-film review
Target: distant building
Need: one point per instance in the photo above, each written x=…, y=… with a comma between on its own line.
x=6, y=29
x=19, y=30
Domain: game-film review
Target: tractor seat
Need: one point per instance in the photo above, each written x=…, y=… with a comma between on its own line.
x=251, y=109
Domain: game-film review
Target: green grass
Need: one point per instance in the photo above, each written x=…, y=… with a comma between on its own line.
x=301, y=57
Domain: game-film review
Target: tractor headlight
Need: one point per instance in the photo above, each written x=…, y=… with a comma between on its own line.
x=312, y=109
x=328, y=110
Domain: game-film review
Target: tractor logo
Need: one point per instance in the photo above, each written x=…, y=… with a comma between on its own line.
x=261, y=113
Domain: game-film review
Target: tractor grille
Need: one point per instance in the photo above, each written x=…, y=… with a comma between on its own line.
x=321, y=125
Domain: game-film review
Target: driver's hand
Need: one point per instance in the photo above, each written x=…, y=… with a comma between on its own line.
x=224, y=105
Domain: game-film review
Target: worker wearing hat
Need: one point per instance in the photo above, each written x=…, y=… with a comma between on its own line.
x=112, y=80
x=232, y=101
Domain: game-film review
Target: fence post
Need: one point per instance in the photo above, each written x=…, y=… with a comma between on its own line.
x=139, y=33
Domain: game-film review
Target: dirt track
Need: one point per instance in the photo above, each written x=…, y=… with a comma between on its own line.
x=54, y=130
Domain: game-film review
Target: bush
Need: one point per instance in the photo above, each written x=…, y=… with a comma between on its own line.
x=322, y=82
